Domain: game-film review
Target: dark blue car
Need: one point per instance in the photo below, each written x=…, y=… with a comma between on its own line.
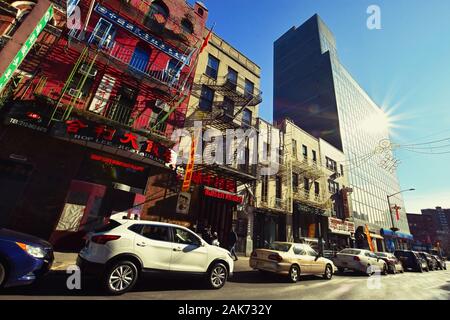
x=23, y=258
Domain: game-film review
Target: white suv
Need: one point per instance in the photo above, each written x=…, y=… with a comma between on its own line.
x=124, y=249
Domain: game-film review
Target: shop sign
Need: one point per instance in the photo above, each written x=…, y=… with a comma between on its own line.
x=209, y=180
x=26, y=47
x=115, y=162
x=308, y=210
x=337, y=225
x=220, y=194
x=159, y=44
x=345, y=203
x=80, y=129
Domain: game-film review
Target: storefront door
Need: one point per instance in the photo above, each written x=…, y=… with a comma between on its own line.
x=81, y=214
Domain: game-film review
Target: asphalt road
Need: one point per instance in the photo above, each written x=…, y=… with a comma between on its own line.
x=251, y=285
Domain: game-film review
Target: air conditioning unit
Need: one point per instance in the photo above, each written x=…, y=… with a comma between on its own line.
x=85, y=68
x=162, y=105
x=75, y=93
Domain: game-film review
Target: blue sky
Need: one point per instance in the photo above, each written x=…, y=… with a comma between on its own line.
x=405, y=66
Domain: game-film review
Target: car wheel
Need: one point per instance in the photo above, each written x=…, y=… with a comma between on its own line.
x=328, y=272
x=294, y=273
x=427, y=269
x=394, y=270
x=369, y=271
x=120, y=277
x=217, y=276
x=420, y=269
x=2, y=274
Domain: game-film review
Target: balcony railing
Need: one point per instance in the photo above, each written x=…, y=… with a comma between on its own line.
x=172, y=78
x=307, y=167
x=231, y=89
x=309, y=197
x=168, y=28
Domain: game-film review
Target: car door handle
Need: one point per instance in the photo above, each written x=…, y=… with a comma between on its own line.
x=141, y=244
x=176, y=249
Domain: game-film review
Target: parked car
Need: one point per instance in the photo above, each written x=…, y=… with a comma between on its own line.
x=124, y=250
x=360, y=260
x=440, y=264
x=291, y=259
x=394, y=265
x=411, y=260
x=431, y=263
x=23, y=258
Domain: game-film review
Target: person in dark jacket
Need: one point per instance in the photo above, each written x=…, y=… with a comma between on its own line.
x=232, y=240
x=207, y=235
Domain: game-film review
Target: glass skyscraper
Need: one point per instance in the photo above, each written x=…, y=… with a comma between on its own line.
x=313, y=89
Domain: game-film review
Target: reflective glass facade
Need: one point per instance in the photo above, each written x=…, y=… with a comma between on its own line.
x=314, y=90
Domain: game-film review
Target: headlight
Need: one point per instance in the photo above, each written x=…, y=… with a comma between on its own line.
x=33, y=251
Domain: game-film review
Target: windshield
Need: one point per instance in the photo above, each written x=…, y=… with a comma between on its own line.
x=382, y=254
x=277, y=246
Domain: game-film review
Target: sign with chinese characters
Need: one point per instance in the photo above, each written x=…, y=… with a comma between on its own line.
x=220, y=194
x=88, y=131
x=25, y=47
x=337, y=225
x=159, y=44
x=205, y=179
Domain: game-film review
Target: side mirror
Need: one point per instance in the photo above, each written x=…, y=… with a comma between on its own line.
x=317, y=257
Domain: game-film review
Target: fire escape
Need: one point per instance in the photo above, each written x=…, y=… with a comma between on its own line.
x=223, y=115
x=95, y=53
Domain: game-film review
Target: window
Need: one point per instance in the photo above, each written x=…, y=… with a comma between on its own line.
x=294, y=148
x=185, y=237
x=333, y=187
x=264, y=188
x=299, y=250
x=206, y=98
x=305, y=151
x=103, y=34
x=314, y=155
x=187, y=26
x=212, y=67
x=342, y=170
x=316, y=187
x=247, y=117
x=278, y=190
x=331, y=164
x=228, y=106
x=158, y=11
x=295, y=181
x=232, y=77
x=249, y=88
x=306, y=184
x=158, y=233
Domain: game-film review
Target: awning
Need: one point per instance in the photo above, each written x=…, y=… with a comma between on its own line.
x=376, y=236
x=387, y=232
x=340, y=232
x=406, y=236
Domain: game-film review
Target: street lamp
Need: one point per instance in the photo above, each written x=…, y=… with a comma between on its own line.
x=394, y=229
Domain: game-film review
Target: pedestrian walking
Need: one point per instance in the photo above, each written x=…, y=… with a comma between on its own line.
x=232, y=240
x=215, y=240
x=207, y=235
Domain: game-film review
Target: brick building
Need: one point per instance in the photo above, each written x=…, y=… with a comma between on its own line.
x=87, y=116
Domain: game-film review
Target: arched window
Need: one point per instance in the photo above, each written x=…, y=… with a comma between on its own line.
x=187, y=26
x=158, y=11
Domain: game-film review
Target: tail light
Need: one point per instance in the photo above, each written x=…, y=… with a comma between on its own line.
x=356, y=258
x=102, y=239
x=254, y=254
x=276, y=257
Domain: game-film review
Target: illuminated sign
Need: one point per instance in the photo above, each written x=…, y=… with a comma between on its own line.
x=115, y=162
x=25, y=48
x=220, y=194
x=113, y=17
x=201, y=178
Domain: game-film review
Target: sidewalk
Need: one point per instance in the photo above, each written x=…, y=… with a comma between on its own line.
x=63, y=260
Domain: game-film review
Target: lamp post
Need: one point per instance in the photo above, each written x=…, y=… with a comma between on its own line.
x=394, y=229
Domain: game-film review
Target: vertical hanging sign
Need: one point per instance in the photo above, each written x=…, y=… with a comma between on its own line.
x=6, y=76
x=369, y=238
x=190, y=167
